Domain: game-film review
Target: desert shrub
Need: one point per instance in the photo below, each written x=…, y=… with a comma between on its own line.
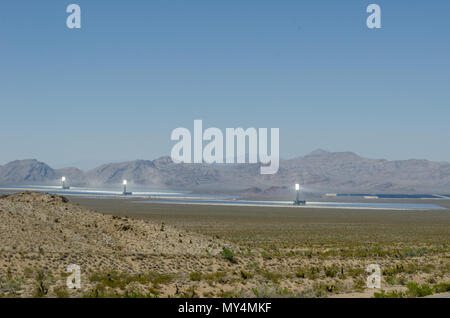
x=414, y=290
x=153, y=293
x=391, y=280
x=321, y=289
x=226, y=294
x=10, y=285
x=392, y=271
x=411, y=252
x=411, y=268
x=210, y=277
x=391, y=294
x=100, y=292
x=195, y=276
x=158, y=278
x=441, y=288
x=137, y=295
x=272, y=276
x=113, y=279
x=331, y=271
x=61, y=292
x=28, y=272
x=313, y=272
x=215, y=277
x=272, y=292
x=355, y=272
x=359, y=285
x=285, y=293
x=260, y=293
x=190, y=293
x=401, y=280
x=228, y=255
x=116, y=280
x=41, y=288
x=266, y=255
x=300, y=273
x=428, y=268
x=245, y=275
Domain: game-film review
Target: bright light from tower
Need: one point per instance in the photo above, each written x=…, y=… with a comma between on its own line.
x=63, y=179
x=297, y=187
x=124, y=182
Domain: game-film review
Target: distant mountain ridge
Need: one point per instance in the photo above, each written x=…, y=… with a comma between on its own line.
x=318, y=171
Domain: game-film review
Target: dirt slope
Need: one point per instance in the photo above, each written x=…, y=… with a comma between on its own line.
x=43, y=233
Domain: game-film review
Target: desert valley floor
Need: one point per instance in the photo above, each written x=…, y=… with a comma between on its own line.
x=127, y=248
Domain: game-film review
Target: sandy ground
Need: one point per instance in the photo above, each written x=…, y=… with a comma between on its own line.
x=127, y=249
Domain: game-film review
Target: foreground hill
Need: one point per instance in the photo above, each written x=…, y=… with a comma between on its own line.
x=41, y=234
x=318, y=171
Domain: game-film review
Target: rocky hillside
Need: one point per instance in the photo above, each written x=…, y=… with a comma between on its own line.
x=41, y=234
x=31, y=171
x=33, y=222
x=318, y=171
x=23, y=171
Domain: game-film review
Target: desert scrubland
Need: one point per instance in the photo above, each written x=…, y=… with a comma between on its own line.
x=129, y=248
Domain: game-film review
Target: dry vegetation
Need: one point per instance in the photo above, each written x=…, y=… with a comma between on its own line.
x=156, y=250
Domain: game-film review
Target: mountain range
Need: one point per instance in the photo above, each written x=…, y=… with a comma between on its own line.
x=319, y=171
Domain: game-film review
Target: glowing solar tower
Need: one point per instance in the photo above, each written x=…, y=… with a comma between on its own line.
x=63, y=184
x=297, y=199
x=125, y=188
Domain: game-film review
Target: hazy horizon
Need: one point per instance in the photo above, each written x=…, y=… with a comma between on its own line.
x=89, y=166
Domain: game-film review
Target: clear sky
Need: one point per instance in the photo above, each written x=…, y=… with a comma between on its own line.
x=115, y=89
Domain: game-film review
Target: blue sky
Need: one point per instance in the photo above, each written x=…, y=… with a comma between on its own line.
x=136, y=70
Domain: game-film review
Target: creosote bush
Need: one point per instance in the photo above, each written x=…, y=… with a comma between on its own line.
x=229, y=255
